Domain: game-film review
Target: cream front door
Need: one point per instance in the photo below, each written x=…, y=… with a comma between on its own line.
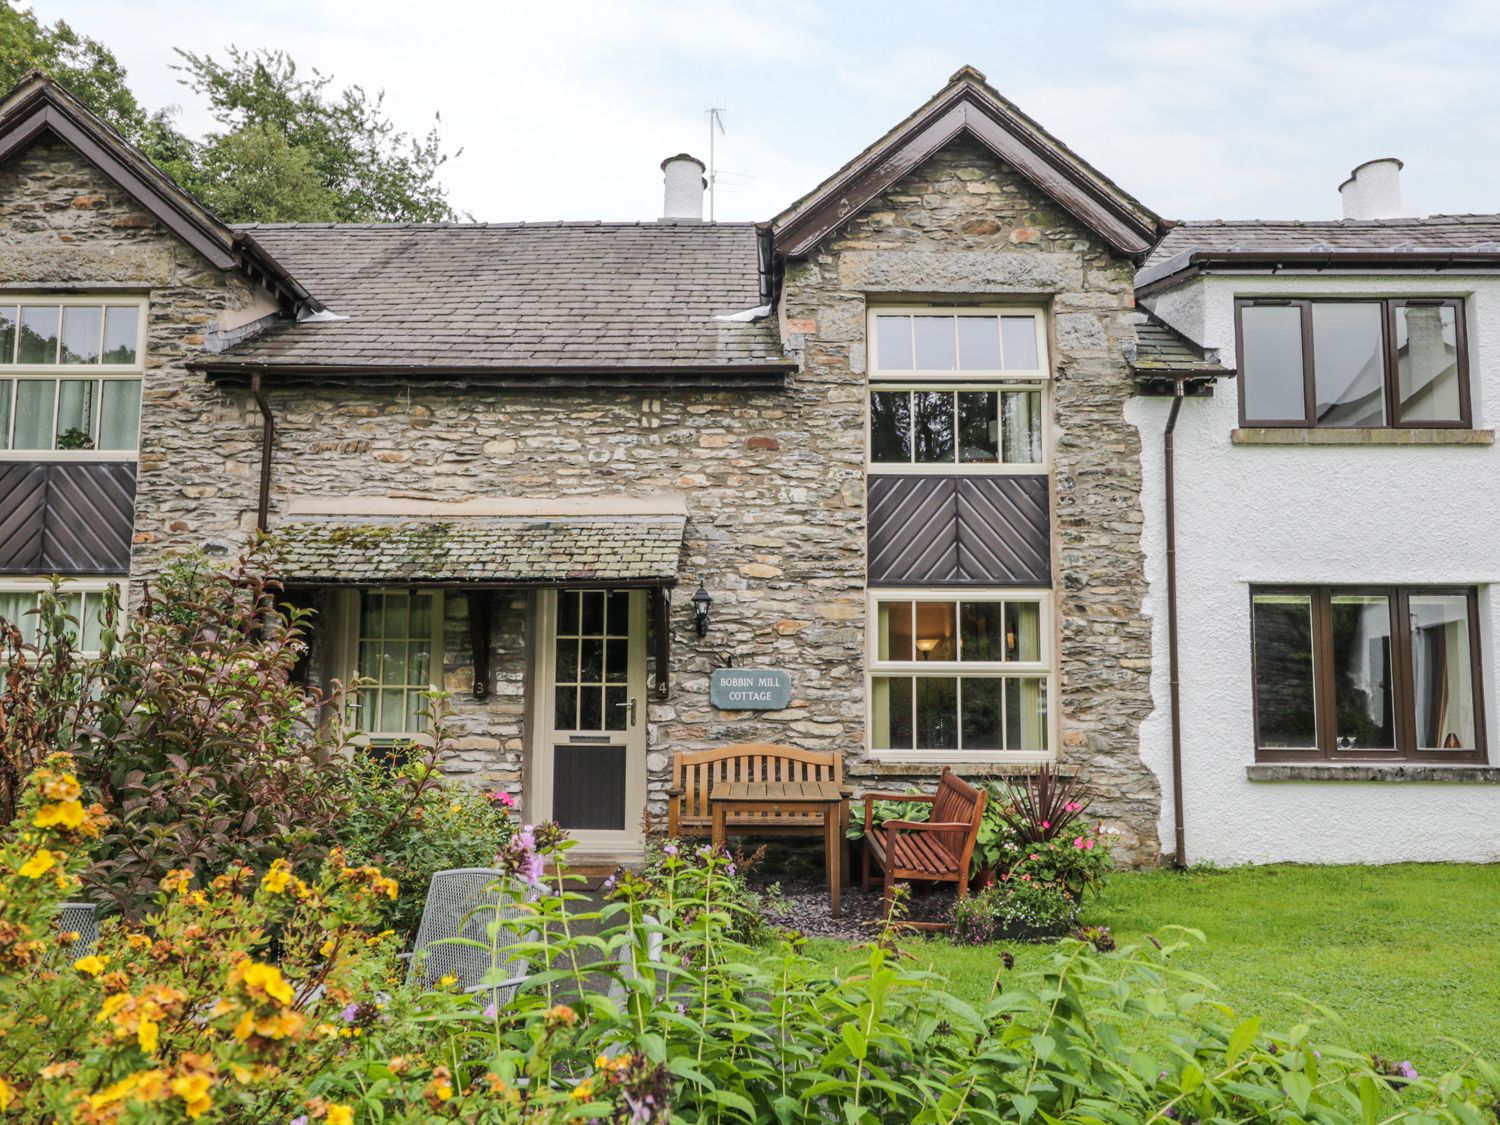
x=589, y=754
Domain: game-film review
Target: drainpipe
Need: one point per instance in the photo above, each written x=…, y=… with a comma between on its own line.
x=267, y=436
x=1174, y=681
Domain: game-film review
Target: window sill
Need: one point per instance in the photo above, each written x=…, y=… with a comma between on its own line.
x=1374, y=771
x=1312, y=435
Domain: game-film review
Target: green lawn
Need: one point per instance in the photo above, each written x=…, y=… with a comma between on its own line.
x=1405, y=954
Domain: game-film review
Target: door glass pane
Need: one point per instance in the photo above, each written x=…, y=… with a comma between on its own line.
x=983, y=713
x=397, y=615
x=120, y=414
x=1442, y=672
x=933, y=337
x=421, y=615
x=1427, y=363
x=978, y=427
x=1362, y=672
x=616, y=708
x=895, y=637
x=982, y=631
x=76, y=413
x=978, y=343
x=588, y=787
x=590, y=708
x=35, y=399
x=893, y=342
x=7, y=388
x=937, y=633
x=1026, y=713
x=565, y=707
x=616, y=661
x=1271, y=363
x=618, y=613
x=567, y=613
x=937, y=713
x=1021, y=425
x=591, y=613
x=80, y=333
x=1285, y=697
x=591, y=661
x=38, y=335
x=1019, y=336
x=1023, y=631
x=890, y=427
x=934, y=426
x=567, y=660
x=891, y=708
x=1348, y=364
x=7, y=333
x=121, y=327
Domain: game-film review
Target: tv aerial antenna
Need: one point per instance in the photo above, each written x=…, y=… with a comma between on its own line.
x=715, y=115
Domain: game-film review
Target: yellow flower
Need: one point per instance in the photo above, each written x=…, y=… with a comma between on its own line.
x=39, y=864
x=63, y=787
x=112, y=1004
x=266, y=979
x=583, y=1091
x=193, y=1090
x=327, y=948
x=147, y=1034
x=178, y=880
x=447, y=981
x=69, y=814
x=340, y=1115
x=92, y=965
x=54, y=1070
x=6, y=1094
x=138, y=941
x=277, y=878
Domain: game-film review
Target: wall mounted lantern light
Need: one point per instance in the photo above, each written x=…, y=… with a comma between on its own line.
x=701, y=601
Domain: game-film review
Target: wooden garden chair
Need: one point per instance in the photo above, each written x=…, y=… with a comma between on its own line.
x=936, y=850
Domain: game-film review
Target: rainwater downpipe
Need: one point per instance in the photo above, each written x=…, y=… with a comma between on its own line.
x=1174, y=683
x=267, y=437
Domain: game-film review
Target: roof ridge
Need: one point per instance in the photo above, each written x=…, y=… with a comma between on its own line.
x=520, y=224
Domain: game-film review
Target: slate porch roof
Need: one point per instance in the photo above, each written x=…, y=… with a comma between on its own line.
x=517, y=551
x=1161, y=350
x=520, y=297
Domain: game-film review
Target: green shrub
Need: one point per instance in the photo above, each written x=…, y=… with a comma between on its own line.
x=686, y=867
x=408, y=820
x=1018, y=908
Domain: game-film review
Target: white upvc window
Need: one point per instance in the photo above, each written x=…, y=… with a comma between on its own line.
x=395, y=645
x=957, y=390
x=961, y=676
x=70, y=377
x=83, y=600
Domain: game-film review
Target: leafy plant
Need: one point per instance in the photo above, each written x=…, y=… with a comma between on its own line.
x=990, y=844
x=1015, y=909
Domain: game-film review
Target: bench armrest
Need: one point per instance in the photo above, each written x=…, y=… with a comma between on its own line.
x=929, y=825
x=675, y=791
x=873, y=795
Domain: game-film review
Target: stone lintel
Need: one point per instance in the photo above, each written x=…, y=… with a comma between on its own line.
x=971, y=272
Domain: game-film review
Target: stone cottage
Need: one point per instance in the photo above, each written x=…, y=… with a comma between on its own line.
x=907, y=444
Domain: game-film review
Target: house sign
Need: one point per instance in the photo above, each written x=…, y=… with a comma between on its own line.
x=750, y=689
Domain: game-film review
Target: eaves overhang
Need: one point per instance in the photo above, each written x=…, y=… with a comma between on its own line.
x=1183, y=268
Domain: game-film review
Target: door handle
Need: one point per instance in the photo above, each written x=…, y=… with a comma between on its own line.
x=631, y=704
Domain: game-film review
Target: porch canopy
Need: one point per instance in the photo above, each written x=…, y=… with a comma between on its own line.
x=486, y=544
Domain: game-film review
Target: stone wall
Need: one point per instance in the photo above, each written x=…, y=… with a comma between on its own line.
x=962, y=227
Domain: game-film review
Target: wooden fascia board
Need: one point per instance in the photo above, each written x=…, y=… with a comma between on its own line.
x=49, y=117
x=1126, y=233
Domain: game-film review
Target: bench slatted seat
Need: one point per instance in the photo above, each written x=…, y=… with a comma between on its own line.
x=695, y=773
x=936, y=850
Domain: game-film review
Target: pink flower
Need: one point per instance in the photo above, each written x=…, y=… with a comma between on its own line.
x=1034, y=856
x=1088, y=844
x=1026, y=877
x=1046, y=824
x=1078, y=841
x=499, y=797
x=1072, y=806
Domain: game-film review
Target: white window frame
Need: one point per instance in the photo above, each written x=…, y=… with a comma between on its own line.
x=1038, y=313
x=957, y=467
x=350, y=609
x=41, y=584
x=1045, y=667
x=64, y=372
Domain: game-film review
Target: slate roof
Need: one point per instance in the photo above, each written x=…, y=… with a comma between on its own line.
x=515, y=550
x=1475, y=237
x=519, y=297
x=1162, y=350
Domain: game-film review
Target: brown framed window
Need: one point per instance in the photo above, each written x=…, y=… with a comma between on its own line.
x=1367, y=673
x=1367, y=362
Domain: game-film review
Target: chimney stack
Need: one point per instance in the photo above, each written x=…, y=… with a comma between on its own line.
x=1373, y=190
x=684, y=188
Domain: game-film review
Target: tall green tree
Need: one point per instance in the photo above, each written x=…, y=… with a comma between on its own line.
x=85, y=67
x=370, y=170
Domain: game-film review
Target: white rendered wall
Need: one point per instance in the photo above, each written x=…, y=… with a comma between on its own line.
x=1332, y=514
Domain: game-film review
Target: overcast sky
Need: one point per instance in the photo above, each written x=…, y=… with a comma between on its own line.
x=565, y=108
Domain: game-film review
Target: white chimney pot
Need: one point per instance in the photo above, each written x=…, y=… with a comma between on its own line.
x=1373, y=190
x=684, y=188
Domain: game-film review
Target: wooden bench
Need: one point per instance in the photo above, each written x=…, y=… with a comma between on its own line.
x=695, y=773
x=935, y=850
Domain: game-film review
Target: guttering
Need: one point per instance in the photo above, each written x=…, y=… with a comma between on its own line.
x=1174, y=685
x=1200, y=262
x=267, y=437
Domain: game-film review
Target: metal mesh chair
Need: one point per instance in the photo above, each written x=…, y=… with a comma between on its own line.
x=82, y=918
x=464, y=903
